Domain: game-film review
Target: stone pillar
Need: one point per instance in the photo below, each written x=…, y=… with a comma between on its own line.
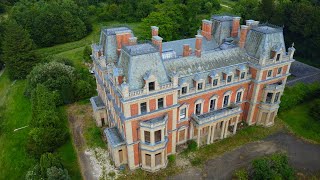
x=191, y=131
x=226, y=128
x=153, y=161
x=235, y=125
x=222, y=129
x=209, y=135
x=212, y=132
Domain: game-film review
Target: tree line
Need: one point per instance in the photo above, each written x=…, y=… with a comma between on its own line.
x=300, y=18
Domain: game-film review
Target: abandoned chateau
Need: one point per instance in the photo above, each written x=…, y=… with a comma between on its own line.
x=154, y=96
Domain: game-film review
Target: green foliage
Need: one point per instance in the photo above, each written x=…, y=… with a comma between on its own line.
x=48, y=160
x=17, y=49
x=55, y=173
x=52, y=22
x=86, y=53
x=274, y=167
x=48, y=132
x=192, y=146
x=172, y=159
x=297, y=94
x=241, y=174
x=315, y=109
x=56, y=77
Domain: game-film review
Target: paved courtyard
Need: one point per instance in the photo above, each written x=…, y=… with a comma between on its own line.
x=303, y=156
x=303, y=73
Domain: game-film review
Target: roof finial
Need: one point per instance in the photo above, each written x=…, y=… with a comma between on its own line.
x=124, y=80
x=292, y=44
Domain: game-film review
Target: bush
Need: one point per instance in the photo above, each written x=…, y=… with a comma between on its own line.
x=274, y=167
x=241, y=174
x=297, y=94
x=315, y=109
x=172, y=159
x=86, y=53
x=192, y=145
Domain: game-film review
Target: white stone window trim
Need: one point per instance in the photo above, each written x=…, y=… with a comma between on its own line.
x=152, y=134
x=264, y=100
x=214, y=97
x=242, y=92
x=164, y=102
x=203, y=85
x=280, y=53
x=184, y=85
x=199, y=101
x=139, y=106
x=229, y=100
x=184, y=105
x=149, y=79
x=281, y=70
x=245, y=75
x=271, y=76
x=218, y=81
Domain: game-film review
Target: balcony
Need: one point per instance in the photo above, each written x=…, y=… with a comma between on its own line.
x=213, y=116
x=275, y=87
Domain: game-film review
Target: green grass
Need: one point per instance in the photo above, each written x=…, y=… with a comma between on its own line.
x=92, y=135
x=300, y=122
x=69, y=160
x=14, y=160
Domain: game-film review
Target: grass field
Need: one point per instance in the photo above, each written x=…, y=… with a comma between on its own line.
x=301, y=123
x=16, y=113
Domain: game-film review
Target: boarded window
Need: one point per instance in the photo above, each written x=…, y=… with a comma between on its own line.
x=148, y=160
x=264, y=117
x=157, y=136
x=271, y=117
x=147, y=136
x=158, y=159
x=182, y=135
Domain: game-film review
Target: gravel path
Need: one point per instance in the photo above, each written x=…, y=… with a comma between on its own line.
x=303, y=156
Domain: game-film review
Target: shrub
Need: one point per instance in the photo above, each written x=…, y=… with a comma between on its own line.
x=273, y=167
x=196, y=161
x=315, y=109
x=192, y=145
x=241, y=174
x=172, y=159
x=86, y=53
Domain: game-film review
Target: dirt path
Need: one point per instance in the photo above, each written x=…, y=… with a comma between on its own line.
x=302, y=155
x=77, y=131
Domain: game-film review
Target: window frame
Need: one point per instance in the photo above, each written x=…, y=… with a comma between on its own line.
x=186, y=90
x=239, y=99
x=158, y=107
x=224, y=99
x=279, y=71
x=146, y=107
x=271, y=71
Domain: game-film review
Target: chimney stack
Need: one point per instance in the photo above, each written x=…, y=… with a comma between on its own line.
x=132, y=41
x=198, y=45
x=249, y=23
x=186, y=50
x=122, y=38
x=157, y=40
x=235, y=26
x=243, y=35
x=154, y=31
x=206, y=29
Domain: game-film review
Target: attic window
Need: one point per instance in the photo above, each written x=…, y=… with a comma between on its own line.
x=151, y=86
x=200, y=86
x=278, y=57
x=242, y=75
x=229, y=79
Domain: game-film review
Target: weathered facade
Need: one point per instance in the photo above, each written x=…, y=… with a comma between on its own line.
x=155, y=96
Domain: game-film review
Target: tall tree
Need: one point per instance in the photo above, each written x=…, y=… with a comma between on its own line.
x=17, y=49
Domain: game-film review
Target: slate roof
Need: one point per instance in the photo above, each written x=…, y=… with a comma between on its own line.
x=177, y=45
x=139, y=49
x=97, y=103
x=261, y=40
x=114, y=137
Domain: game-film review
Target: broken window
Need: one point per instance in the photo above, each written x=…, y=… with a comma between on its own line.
x=184, y=90
x=239, y=96
x=226, y=101
x=229, y=79
x=212, y=104
x=160, y=103
x=183, y=113
x=143, y=107
x=200, y=86
x=151, y=86
x=198, y=109
x=269, y=97
x=215, y=82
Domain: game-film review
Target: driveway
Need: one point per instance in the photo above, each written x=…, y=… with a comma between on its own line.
x=302, y=155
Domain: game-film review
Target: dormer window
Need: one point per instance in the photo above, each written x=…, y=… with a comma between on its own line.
x=278, y=57
x=151, y=86
x=229, y=78
x=242, y=75
x=200, y=86
x=215, y=82
x=184, y=90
